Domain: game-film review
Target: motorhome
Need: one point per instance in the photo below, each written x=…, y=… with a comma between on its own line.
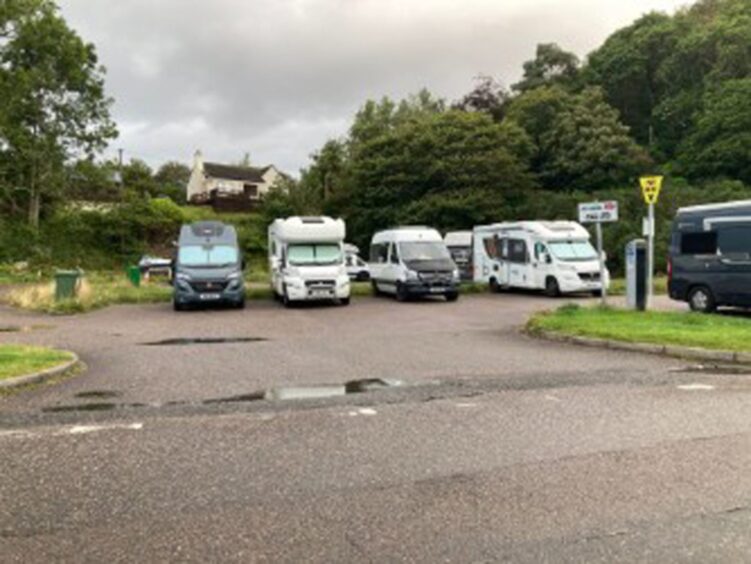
x=412, y=261
x=709, y=261
x=554, y=256
x=306, y=260
x=459, y=244
x=208, y=266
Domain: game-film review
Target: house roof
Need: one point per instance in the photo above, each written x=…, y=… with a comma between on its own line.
x=230, y=172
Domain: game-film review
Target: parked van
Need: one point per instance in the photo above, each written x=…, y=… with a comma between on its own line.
x=710, y=256
x=459, y=244
x=412, y=261
x=306, y=260
x=208, y=267
x=554, y=256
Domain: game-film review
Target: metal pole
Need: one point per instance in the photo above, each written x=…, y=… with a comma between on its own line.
x=604, y=292
x=650, y=255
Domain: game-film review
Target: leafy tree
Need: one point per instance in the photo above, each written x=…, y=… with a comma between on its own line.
x=93, y=181
x=52, y=100
x=551, y=65
x=172, y=181
x=487, y=96
x=138, y=179
x=720, y=144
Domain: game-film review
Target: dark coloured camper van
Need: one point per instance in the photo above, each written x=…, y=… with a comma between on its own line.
x=208, y=266
x=710, y=256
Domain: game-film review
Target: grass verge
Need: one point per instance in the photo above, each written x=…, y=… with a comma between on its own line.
x=716, y=332
x=618, y=286
x=19, y=360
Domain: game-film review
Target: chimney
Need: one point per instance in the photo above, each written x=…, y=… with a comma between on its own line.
x=198, y=160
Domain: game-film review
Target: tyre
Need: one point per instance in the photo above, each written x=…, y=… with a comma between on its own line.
x=701, y=299
x=285, y=299
x=551, y=288
x=495, y=287
x=177, y=306
x=452, y=296
x=240, y=304
x=362, y=276
x=344, y=301
x=401, y=292
x=596, y=293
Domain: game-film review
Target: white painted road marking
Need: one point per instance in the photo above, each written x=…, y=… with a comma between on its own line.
x=69, y=430
x=363, y=411
x=695, y=387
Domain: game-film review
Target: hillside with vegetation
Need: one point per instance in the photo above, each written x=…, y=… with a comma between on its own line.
x=667, y=94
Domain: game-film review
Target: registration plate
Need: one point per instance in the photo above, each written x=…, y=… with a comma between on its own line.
x=209, y=297
x=320, y=293
x=437, y=290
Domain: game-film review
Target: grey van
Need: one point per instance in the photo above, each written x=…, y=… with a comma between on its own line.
x=710, y=256
x=208, y=267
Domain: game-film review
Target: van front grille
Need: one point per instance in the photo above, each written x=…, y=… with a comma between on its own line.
x=320, y=283
x=209, y=285
x=589, y=276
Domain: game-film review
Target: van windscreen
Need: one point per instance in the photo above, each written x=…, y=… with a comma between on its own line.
x=572, y=250
x=207, y=255
x=314, y=254
x=423, y=251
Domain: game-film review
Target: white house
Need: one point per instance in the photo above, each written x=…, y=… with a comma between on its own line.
x=210, y=182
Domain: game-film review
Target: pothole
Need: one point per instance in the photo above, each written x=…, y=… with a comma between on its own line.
x=184, y=341
x=97, y=394
x=726, y=369
x=319, y=391
x=99, y=406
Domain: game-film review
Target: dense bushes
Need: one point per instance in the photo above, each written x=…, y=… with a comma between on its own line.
x=110, y=236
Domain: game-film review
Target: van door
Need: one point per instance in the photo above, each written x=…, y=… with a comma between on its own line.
x=542, y=264
x=518, y=258
x=734, y=276
x=493, y=266
x=393, y=269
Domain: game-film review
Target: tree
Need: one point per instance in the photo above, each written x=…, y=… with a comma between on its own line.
x=172, y=181
x=52, y=100
x=551, y=65
x=138, y=179
x=588, y=148
x=487, y=96
x=93, y=181
x=720, y=144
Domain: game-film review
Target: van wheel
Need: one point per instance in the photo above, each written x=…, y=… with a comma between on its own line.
x=551, y=288
x=452, y=296
x=285, y=299
x=401, y=292
x=177, y=306
x=494, y=286
x=344, y=301
x=701, y=299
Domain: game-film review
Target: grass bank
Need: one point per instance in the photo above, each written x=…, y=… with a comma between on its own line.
x=717, y=332
x=19, y=360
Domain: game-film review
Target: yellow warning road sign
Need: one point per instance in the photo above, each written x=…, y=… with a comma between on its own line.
x=650, y=188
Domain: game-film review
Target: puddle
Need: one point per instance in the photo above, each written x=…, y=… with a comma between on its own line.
x=204, y=341
x=97, y=394
x=726, y=369
x=22, y=328
x=102, y=406
x=287, y=393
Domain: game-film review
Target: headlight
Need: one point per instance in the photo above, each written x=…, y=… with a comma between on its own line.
x=182, y=276
x=455, y=274
x=412, y=275
x=235, y=276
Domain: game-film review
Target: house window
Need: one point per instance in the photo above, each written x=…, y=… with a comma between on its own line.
x=250, y=190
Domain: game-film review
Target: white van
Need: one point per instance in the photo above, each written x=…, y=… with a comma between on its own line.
x=412, y=261
x=306, y=260
x=554, y=256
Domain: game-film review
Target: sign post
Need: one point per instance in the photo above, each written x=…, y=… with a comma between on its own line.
x=650, y=188
x=599, y=213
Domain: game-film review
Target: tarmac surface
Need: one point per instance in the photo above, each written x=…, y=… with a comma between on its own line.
x=461, y=440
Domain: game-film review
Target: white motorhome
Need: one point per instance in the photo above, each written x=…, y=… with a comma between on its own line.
x=459, y=244
x=412, y=261
x=306, y=260
x=554, y=256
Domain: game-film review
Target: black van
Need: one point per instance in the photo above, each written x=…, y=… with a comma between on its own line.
x=710, y=256
x=208, y=267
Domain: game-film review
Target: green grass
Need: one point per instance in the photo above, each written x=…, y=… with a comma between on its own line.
x=18, y=360
x=718, y=332
x=618, y=286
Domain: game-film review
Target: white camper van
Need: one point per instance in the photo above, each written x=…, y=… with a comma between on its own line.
x=554, y=256
x=412, y=261
x=459, y=244
x=306, y=259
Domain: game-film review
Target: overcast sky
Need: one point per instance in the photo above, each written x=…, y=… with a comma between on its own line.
x=276, y=78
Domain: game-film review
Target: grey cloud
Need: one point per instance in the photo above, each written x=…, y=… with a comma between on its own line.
x=278, y=77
